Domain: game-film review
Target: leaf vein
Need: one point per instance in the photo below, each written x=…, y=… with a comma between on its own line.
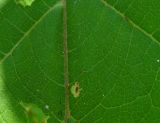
x=131, y=22
x=27, y=33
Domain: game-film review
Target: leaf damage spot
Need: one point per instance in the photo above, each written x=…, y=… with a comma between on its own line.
x=25, y=2
x=47, y=107
x=75, y=89
x=34, y=113
x=158, y=60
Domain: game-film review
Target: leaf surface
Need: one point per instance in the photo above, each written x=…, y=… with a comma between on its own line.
x=113, y=54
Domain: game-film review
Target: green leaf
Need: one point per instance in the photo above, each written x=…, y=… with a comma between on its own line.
x=71, y=120
x=25, y=2
x=113, y=53
x=34, y=113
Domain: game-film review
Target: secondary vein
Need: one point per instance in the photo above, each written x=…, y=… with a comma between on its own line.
x=27, y=33
x=131, y=22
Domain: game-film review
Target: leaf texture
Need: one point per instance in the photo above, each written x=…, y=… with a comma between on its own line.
x=114, y=55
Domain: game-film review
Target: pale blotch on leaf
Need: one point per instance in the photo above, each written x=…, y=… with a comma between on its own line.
x=75, y=90
x=25, y=2
x=34, y=113
x=3, y=3
x=47, y=107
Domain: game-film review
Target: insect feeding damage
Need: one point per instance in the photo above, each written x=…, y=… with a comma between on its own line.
x=34, y=113
x=75, y=89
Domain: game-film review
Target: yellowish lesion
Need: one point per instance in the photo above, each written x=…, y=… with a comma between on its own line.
x=75, y=89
